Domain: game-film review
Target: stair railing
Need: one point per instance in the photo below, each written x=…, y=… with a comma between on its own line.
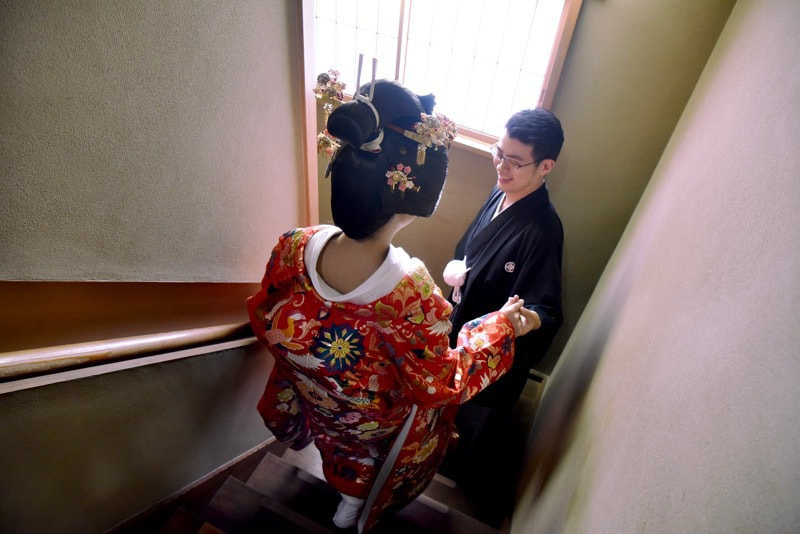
x=32, y=363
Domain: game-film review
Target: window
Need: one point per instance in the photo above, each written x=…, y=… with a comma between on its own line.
x=483, y=59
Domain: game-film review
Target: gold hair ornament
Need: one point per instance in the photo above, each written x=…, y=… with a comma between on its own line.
x=431, y=131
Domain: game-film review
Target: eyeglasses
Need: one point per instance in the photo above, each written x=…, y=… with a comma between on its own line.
x=497, y=154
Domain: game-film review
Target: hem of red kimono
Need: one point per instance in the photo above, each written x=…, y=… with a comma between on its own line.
x=386, y=469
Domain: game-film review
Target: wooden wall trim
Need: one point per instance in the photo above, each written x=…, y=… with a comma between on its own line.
x=305, y=43
x=45, y=314
x=566, y=26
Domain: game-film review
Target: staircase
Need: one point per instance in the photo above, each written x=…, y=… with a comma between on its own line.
x=286, y=494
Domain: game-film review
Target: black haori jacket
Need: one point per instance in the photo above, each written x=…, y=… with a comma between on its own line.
x=519, y=252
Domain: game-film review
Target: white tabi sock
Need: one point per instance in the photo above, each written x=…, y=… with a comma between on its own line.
x=347, y=512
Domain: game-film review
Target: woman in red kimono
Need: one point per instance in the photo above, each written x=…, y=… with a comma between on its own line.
x=359, y=329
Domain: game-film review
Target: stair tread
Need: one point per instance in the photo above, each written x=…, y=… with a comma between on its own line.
x=294, y=488
x=441, y=488
x=238, y=508
x=233, y=506
x=307, y=459
x=298, y=490
x=427, y=515
x=181, y=521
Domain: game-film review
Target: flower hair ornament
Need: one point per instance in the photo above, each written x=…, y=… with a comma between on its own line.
x=329, y=89
x=330, y=145
x=399, y=178
x=368, y=187
x=327, y=144
x=432, y=131
x=329, y=85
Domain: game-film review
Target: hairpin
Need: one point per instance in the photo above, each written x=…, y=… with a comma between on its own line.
x=375, y=144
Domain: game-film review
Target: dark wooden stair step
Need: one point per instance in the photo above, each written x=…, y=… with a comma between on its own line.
x=308, y=495
x=181, y=521
x=441, y=488
x=295, y=488
x=425, y=515
x=240, y=509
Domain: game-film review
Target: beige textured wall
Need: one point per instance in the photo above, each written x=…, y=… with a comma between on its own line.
x=84, y=455
x=630, y=70
x=147, y=140
x=152, y=141
x=690, y=419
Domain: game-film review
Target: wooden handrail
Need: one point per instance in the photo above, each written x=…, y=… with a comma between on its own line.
x=48, y=359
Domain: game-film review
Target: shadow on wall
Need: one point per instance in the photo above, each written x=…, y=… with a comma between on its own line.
x=563, y=397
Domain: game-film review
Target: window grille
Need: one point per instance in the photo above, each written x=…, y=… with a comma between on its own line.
x=483, y=59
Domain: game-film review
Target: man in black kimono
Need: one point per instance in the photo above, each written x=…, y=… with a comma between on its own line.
x=513, y=247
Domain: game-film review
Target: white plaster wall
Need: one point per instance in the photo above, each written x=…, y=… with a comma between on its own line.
x=147, y=140
x=690, y=420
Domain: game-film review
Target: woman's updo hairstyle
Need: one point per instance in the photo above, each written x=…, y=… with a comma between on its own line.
x=375, y=173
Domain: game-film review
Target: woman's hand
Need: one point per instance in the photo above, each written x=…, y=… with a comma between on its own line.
x=523, y=319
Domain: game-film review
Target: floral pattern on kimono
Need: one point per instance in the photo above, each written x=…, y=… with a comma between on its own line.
x=347, y=375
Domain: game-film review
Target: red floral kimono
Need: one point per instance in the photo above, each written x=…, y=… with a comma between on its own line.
x=375, y=385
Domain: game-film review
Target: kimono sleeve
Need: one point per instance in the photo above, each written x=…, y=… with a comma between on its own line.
x=279, y=405
x=280, y=409
x=434, y=373
x=276, y=283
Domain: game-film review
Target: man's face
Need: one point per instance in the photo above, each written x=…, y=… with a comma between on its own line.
x=517, y=175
